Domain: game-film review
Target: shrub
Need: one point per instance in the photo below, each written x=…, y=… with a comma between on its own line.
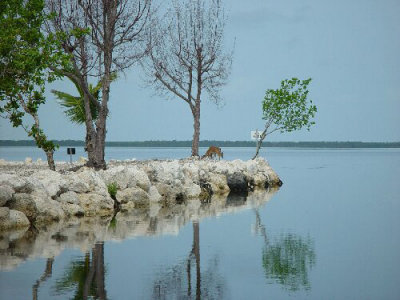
x=112, y=189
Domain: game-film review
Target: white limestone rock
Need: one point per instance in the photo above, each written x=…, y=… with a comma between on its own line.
x=48, y=211
x=72, y=209
x=96, y=205
x=11, y=219
x=50, y=181
x=24, y=203
x=218, y=184
x=191, y=190
x=92, y=182
x=135, y=197
x=6, y=193
x=154, y=195
x=68, y=197
x=127, y=177
x=18, y=183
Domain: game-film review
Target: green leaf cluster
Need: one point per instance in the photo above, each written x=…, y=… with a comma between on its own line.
x=112, y=189
x=26, y=54
x=288, y=107
x=75, y=105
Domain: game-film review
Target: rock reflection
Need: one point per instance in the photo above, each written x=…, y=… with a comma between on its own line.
x=85, y=276
x=287, y=259
x=179, y=282
x=48, y=242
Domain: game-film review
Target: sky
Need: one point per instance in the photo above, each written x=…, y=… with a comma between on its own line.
x=351, y=50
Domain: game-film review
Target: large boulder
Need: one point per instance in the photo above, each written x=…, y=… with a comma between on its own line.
x=96, y=205
x=167, y=172
x=24, y=203
x=191, y=190
x=75, y=184
x=166, y=191
x=68, y=197
x=10, y=219
x=72, y=209
x=48, y=211
x=219, y=184
x=133, y=198
x=127, y=177
x=4, y=214
x=154, y=195
x=237, y=182
x=49, y=181
x=18, y=183
x=6, y=193
x=93, y=180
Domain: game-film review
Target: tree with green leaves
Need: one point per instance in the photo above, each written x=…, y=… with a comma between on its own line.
x=287, y=108
x=25, y=54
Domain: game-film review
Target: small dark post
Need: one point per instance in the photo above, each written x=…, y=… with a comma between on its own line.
x=70, y=151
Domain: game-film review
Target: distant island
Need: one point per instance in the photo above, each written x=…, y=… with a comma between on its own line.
x=207, y=143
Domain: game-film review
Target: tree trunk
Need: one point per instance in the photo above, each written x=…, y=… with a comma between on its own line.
x=259, y=143
x=100, y=270
x=50, y=160
x=95, y=144
x=196, y=124
x=46, y=274
x=257, y=149
x=196, y=251
x=196, y=134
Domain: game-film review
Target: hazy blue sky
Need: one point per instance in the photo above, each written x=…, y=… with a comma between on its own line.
x=351, y=49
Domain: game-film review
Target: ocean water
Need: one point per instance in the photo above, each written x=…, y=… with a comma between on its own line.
x=330, y=232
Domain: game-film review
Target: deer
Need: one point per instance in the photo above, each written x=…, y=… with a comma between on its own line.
x=212, y=152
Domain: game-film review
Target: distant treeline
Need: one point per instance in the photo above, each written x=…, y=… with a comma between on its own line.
x=207, y=143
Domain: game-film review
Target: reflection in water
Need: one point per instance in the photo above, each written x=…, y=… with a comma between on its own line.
x=176, y=282
x=86, y=276
x=19, y=245
x=46, y=274
x=287, y=259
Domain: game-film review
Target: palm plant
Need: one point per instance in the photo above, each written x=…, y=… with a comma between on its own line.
x=74, y=106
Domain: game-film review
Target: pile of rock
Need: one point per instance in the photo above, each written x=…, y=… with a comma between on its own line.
x=42, y=196
x=19, y=245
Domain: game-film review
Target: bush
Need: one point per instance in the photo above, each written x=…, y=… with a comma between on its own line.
x=112, y=189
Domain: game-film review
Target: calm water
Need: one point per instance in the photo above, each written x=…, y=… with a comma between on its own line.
x=330, y=232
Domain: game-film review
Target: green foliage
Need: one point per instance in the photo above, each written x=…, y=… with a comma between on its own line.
x=112, y=189
x=25, y=56
x=288, y=107
x=75, y=106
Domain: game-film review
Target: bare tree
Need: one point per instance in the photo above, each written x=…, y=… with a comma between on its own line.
x=186, y=56
x=102, y=38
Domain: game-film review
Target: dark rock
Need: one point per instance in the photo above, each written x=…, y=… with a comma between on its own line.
x=237, y=183
x=206, y=191
x=180, y=198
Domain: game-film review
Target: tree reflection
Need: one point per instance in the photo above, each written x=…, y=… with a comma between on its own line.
x=46, y=274
x=178, y=283
x=86, y=276
x=287, y=259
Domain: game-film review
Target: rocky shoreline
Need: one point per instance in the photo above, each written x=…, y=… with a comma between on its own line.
x=19, y=245
x=32, y=195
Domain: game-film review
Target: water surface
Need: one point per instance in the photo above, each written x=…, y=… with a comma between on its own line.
x=331, y=231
